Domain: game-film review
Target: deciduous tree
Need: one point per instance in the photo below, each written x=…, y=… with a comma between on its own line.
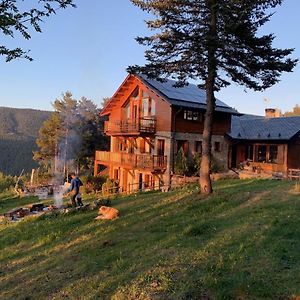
x=72, y=133
x=215, y=42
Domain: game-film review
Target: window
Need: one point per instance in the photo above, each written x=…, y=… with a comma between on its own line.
x=262, y=153
x=153, y=109
x=146, y=107
x=273, y=155
x=249, y=152
x=217, y=147
x=192, y=115
x=142, y=146
x=122, y=145
x=198, y=147
x=127, y=109
x=135, y=94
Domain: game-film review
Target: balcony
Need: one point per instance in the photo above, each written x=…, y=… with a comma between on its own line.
x=146, y=162
x=130, y=127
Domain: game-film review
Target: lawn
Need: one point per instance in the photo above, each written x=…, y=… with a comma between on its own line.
x=242, y=242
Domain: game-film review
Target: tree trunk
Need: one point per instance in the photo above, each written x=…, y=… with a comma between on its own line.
x=205, y=181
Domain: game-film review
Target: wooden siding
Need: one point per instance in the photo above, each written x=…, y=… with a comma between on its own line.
x=221, y=123
x=282, y=157
x=162, y=108
x=294, y=154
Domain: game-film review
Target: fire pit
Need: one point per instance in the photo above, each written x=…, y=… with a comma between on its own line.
x=38, y=209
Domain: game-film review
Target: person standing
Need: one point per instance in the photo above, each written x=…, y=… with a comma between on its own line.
x=74, y=190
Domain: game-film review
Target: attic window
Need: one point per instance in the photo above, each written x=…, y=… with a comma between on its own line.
x=135, y=93
x=192, y=115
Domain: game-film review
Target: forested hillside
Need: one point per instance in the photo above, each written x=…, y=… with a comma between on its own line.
x=18, y=132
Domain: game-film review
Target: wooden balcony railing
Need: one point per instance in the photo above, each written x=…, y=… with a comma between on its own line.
x=141, y=125
x=133, y=161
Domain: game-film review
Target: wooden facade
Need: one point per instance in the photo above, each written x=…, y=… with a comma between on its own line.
x=147, y=130
x=266, y=156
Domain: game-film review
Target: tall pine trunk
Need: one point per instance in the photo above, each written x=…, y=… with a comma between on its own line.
x=205, y=181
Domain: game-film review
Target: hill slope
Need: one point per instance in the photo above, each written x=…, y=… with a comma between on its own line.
x=240, y=243
x=18, y=132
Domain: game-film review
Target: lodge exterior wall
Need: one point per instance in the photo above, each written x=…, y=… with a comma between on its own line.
x=128, y=140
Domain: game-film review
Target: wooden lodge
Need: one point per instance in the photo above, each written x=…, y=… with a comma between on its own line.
x=148, y=122
x=270, y=145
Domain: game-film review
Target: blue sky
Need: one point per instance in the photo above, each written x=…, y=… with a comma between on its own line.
x=86, y=51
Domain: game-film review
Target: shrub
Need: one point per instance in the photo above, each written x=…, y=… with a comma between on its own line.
x=110, y=187
x=194, y=166
x=216, y=166
x=180, y=166
x=6, y=182
x=93, y=183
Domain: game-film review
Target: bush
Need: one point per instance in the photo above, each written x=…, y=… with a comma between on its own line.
x=6, y=182
x=194, y=165
x=216, y=166
x=93, y=183
x=110, y=187
x=180, y=166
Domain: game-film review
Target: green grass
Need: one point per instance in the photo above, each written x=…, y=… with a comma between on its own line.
x=242, y=242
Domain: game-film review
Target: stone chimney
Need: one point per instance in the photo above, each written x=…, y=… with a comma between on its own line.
x=272, y=113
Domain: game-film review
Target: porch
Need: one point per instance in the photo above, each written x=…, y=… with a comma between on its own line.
x=130, y=127
x=146, y=162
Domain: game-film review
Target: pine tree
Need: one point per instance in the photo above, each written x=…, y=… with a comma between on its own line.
x=215, y=42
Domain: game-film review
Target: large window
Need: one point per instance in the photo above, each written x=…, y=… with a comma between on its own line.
x=266, y=154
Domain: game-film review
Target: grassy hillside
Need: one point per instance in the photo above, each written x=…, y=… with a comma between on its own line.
x=240, y=243
x=18, y=132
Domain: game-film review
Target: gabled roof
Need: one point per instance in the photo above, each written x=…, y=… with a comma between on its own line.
x=259, y=128
x=189, y=96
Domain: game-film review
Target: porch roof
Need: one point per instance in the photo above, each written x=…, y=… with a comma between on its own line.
x=260, y=128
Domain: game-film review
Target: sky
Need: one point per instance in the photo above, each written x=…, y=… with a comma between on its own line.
x=86, y=50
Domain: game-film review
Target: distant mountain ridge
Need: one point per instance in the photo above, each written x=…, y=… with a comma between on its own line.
x=18, y=131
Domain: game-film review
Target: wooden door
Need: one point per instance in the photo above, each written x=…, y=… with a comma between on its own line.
x=161, y=147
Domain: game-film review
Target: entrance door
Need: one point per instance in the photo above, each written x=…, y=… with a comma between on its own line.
x=233, y=156
x=140, y=181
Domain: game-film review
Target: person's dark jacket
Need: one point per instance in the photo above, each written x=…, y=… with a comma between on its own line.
x=75, y=184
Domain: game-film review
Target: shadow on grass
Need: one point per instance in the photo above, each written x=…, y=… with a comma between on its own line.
x=177, y=245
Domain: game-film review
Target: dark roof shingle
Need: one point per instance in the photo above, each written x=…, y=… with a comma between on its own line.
x=258, y=128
